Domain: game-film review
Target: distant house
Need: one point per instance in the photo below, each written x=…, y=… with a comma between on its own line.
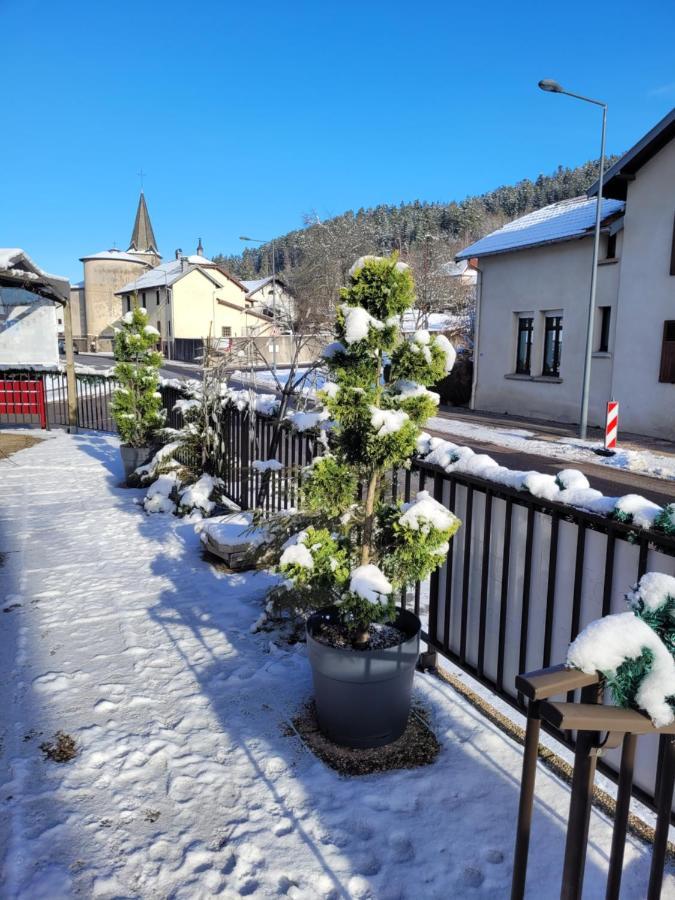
x=31, y=305
x=190, y=299
x=463, y=271
x=533, y=299
x=262, y=292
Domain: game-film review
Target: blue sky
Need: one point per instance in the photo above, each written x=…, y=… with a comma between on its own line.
x=246, y=116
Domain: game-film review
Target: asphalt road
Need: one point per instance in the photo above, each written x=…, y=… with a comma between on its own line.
x=612, y=482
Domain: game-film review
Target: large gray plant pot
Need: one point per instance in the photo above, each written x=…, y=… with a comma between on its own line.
x=133, y=457
x=363, y=696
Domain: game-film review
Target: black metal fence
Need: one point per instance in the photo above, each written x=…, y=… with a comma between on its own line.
x=522, y=577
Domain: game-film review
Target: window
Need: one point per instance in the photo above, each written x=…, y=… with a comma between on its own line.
x=605, y=319
x=611, y=246
x=672, y=253
x=157, y=297
x=667, y=373
x=168, y=296
x=552, y=346
x=60, y=321
x=127, y=300
x=168, y=327
x=143, y=299
x=159, y=328
x=226, y=331
x=524, y=345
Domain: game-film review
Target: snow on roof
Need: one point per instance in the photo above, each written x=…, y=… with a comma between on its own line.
x=17, y=265
x=561, y=221
x=116, y=254
x=166, y=274
x=455, y=269
x=253, y=286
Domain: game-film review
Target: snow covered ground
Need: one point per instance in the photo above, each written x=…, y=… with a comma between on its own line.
x=186, y=783
x=566, y=449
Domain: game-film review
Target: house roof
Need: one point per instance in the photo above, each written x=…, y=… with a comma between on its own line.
x=253, y=286
x=562, y=221
x=116, y=254
x=143, y=237
x=17, y=270
x=615, y=182
x=166, y=274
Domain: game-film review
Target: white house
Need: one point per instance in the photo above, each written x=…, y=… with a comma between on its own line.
x=533, y=294
x=31, y=305
x=265, y=293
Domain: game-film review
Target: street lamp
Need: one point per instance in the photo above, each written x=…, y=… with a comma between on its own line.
x=274, y=296
x=546, y=84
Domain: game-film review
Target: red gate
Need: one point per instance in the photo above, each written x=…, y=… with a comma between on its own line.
x=23, y=398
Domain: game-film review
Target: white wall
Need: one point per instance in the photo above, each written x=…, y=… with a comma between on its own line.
x=552, y=278
x=646, y=299
x=28, y=335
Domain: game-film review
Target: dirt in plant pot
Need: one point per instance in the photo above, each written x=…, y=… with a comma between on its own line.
x=417, y=746
x=61, y=750
x=381, y=637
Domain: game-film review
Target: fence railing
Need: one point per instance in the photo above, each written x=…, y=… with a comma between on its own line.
x=94, y=396
x=522, y=577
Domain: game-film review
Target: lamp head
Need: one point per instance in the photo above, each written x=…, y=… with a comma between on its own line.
x=547, y=84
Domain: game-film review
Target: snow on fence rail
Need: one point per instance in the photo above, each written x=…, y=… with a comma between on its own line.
x=523, y=575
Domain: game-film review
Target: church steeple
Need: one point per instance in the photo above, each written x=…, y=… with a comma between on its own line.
x=143, y=237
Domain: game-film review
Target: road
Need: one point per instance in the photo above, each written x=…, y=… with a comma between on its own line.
x=612, y=482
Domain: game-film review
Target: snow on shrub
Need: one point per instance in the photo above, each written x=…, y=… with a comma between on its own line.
x=635, y=651
x=161, y=495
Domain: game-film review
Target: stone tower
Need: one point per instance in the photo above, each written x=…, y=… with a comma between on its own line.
x=107, y=272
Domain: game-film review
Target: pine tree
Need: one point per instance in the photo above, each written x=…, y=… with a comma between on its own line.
x=137, y=403
x=357, y=550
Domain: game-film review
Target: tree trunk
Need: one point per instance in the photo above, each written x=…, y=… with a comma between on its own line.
x=369, y=518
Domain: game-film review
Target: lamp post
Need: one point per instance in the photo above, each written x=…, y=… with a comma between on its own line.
x=553, y=87
x=274, y=297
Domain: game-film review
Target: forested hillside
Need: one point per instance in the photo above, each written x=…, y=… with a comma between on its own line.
x=314, y=259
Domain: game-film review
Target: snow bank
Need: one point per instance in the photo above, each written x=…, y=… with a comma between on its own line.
x=606, y=643
x=370, y=583
x=197, y=495
x=157, y=499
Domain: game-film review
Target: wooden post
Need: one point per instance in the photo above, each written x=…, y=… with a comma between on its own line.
x=71, y=380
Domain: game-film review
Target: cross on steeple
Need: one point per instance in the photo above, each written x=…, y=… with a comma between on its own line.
x=141, y=175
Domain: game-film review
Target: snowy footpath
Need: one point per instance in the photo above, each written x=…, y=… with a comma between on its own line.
x=187, y=782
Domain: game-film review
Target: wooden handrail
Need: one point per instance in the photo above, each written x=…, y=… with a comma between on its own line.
x=544, y=683
x=594, y=717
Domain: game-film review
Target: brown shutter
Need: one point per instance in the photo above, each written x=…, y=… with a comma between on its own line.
x=667, y=373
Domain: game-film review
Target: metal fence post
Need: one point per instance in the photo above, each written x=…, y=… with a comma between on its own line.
x=524, y=825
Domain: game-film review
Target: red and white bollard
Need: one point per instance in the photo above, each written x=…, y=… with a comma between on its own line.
x=611, y=429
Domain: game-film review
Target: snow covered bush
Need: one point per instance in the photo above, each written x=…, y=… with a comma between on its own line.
x=137, y=403
x=635, y=651
x=361, y=549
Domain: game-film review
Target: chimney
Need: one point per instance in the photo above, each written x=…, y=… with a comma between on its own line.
x=184, y=263
x=179, y=253
x=200, y=249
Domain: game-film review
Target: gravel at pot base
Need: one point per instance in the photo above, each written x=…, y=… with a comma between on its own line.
x=417, y=746
x=381, y=637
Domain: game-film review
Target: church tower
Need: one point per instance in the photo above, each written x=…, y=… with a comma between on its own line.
x=143, y=242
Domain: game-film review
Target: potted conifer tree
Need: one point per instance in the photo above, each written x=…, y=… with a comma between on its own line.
x=137, y=403
x=357, y=550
